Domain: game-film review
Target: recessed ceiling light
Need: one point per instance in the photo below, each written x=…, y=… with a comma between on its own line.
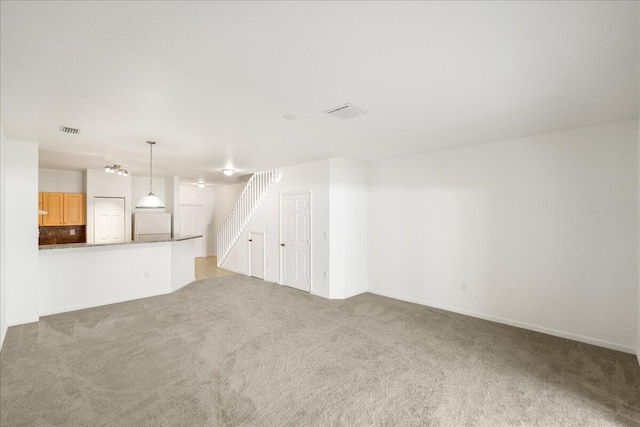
x=289, y=117
x=202, y=185
x=228, y=171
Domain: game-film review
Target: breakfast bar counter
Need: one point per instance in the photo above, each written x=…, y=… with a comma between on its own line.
x=131, y=242
x=77, y=276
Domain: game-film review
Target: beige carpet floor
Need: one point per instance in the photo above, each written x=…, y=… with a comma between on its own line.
x=236, y=351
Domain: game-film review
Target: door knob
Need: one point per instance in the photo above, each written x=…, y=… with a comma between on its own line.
x=251, y=240
x=281, y=244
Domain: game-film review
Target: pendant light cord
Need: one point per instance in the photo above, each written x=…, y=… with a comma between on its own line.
x=151, y=169
x=151, y=143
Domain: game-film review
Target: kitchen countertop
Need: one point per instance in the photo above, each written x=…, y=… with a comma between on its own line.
x=132, y=242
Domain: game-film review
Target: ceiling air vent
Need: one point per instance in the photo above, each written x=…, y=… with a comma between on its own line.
x=65, y=129
x=346, y=111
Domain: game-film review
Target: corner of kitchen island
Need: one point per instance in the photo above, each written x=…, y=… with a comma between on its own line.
x=83, y=275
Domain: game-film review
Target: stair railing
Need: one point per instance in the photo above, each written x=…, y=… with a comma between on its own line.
x=236, y=223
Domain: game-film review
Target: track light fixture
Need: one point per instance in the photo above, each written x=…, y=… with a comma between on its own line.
x=116, y=169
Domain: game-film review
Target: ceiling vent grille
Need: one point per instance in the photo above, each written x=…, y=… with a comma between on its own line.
x=346, y=111
x=65, y=129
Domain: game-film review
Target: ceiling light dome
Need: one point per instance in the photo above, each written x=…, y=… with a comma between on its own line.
x=228, y=171
x=150, y=201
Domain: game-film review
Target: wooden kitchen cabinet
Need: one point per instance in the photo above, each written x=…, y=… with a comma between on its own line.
x=39, y=209
x=74, y=209
x=53, y=203
x=63, y=209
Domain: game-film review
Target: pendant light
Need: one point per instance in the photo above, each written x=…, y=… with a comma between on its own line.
x=150, y=201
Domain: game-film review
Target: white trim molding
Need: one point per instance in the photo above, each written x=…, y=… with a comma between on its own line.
x=536, y=328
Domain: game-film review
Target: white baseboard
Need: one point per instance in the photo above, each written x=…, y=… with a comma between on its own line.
x=58, y=310
x=320, y=294
x=235, y=270
x=182, y=285
x=536, y=328
x=348, y=295
x=22, y=321
x=3, y=335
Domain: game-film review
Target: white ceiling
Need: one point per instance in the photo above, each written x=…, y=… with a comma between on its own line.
x=210, y=82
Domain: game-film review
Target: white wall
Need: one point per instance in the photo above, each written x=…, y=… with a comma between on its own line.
x=311, y=176
x=20, y=164
x=543, y=231
x=172, y=202
x=225, y=198
x=60, y=181
x=101, y=184
x=3, y=239
x=348, y=227
x=192, y=195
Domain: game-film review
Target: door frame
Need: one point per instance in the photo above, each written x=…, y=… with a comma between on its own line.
x=124, y=214
x=292, y=193
x=264, y=253
x=203, y=252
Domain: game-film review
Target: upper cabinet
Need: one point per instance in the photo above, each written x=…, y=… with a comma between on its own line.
x=74, y=209
x=53, y=203
x=63, y=209
x=39, y=209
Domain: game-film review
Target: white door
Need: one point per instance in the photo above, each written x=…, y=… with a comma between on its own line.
x=256, y=255
x=296, y=240
x=191, y=225
x=108, y=219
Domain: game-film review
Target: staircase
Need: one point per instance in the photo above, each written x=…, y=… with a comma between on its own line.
x=236, y=223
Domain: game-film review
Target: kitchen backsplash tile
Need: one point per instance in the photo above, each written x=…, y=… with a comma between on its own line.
x=61, y=235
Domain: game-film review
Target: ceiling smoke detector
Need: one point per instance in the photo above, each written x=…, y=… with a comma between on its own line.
x=65, y=129
x=346, y=111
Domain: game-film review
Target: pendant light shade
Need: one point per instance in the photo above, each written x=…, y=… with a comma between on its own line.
x=150, y=201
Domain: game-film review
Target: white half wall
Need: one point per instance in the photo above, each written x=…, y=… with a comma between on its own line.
x=4, y=325
x=192, y=195
x=79, y=278
x=101, y=184
x=183, y=265
x=20, y=164
x=542, y=232
x=306, y=177
x=60, y=181
x=348, y=226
